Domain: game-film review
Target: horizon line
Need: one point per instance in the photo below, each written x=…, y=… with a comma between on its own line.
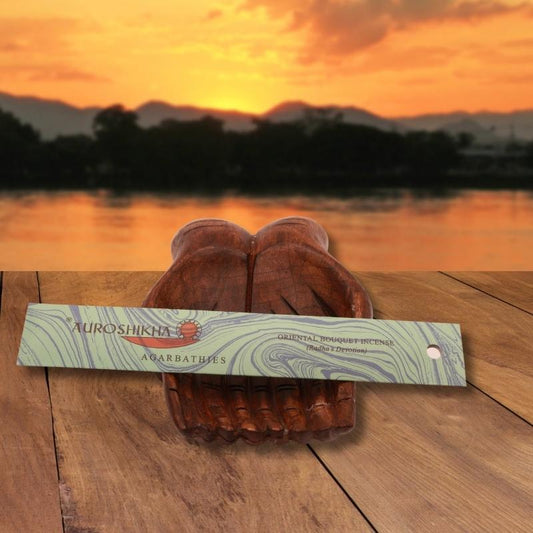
x=252, y=114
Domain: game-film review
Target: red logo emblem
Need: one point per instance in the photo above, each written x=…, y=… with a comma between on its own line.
x=188, y=331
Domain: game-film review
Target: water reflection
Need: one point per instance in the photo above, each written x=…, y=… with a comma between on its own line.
x=386, y=229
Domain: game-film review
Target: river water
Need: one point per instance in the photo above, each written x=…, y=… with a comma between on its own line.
x=384, y=230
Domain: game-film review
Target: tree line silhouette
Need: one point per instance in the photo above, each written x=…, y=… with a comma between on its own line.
x=316, y=154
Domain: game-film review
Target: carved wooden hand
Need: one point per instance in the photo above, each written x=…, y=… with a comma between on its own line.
x=284, y=269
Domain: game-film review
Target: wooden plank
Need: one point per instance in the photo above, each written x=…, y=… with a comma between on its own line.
x=497, y=337
x=125, y=467
x=28, y=472
x=515, y=288
x=95, y=288
x=433, y=459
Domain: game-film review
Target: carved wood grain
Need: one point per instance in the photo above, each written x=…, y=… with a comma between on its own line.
x=284, y=269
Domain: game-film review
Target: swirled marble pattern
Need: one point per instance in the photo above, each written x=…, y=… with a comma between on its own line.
x=246, y=344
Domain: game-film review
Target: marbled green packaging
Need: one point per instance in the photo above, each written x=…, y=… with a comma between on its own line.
x=243, y=344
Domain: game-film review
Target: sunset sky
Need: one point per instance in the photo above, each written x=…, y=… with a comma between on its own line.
x=393, y=57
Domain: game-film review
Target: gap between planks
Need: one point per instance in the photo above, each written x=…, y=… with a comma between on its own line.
x=505, y=302
x=52, y=421
x=385, y=316
x=28, y=476
x=485, y=292
x=339, y=484
x=500, y=403
x=496, y=335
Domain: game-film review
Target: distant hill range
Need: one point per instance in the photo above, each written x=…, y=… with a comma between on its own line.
x=486, y=126
x=53, y=117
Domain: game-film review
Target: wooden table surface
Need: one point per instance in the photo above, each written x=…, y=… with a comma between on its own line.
x=95, y=451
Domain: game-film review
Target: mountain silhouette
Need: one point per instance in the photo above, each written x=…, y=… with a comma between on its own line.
x=517, y=124
x=153, y=112
x=468, y=125
x=50, y=117
x=295, y=110
x=54, y=117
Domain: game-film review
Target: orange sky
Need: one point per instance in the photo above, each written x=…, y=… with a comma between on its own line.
x=392, y=57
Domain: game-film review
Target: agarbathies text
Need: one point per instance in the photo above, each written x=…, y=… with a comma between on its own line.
x=180, y=358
